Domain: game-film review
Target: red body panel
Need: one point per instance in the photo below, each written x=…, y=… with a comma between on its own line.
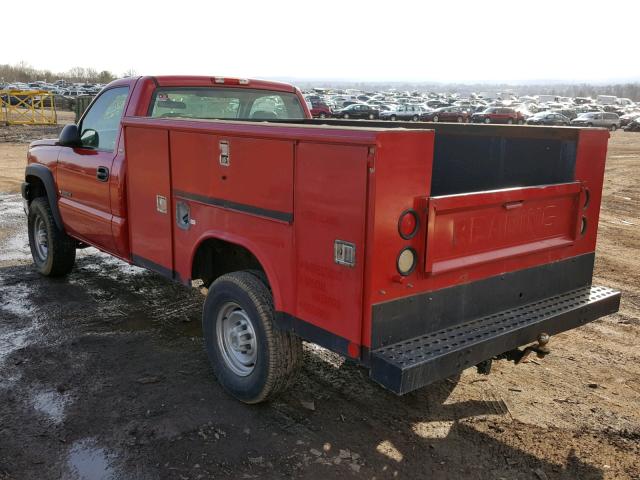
x=466, y=230
x=331, y=195
x=260, y=171
x=149, y=184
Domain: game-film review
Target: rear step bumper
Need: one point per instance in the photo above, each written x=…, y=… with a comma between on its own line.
x=411, y=364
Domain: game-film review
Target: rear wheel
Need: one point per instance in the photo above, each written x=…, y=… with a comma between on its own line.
x=589, y=124
x=53, y=251
x=346, y=115
x=459, y=119
x=393, y=118
x=251, y=359
x=510, y=122
x=415, y=118
x=371, y=116
x=520, y=122
x=323, y=115
x=613, y=128
x=436, y=118
x=487, y=120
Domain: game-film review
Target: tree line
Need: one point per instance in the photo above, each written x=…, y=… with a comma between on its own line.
x=23, y=72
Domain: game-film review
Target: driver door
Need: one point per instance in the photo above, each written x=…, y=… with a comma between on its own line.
x=83, y=172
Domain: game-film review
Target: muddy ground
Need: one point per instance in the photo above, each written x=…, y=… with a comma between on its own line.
x=103, y=376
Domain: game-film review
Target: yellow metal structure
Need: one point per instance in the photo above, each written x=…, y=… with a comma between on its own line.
x=27, y=107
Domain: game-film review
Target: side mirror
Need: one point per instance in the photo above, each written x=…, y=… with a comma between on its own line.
x=90, y=138
x=69, y=136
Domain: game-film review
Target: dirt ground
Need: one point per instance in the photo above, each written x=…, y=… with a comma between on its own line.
x=103, y=376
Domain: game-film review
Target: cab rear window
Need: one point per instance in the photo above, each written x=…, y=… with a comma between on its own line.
x=225, y=103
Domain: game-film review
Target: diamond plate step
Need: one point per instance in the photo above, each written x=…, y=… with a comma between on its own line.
x=411, y=364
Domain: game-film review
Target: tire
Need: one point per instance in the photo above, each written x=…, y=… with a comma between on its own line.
x=459, y=119
x=53, y=251
x=273, y=357
x=346, y=115
x=323, y=115
x=436, y=118
x=487, y=120
x=520, y=122
x=371, y=116
x=613, y=128
x=393, y=118
x=510, y=121
x=415, y=118
x=589, y=124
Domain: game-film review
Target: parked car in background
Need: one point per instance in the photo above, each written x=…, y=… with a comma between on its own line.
x=446, y=114
x=320, y=110
x=633, y=125
x=358, y=110
x=548, y=118
x=628, y=118
x=597, y=119
x=498, y=115
x=570, y=113
x=404, y=112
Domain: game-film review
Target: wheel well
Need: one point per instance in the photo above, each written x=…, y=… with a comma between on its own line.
x=36, y=187
x=216, y=257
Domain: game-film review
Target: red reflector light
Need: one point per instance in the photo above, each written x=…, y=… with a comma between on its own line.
x=408, y=224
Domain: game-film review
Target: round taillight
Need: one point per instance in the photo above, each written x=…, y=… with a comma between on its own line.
x=406, y=261
x=408, y=224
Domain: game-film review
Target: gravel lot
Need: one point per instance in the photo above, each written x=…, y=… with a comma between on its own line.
x=103, y=376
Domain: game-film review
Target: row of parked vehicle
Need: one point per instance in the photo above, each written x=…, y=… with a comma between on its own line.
x=608, y=112
x=59, y=87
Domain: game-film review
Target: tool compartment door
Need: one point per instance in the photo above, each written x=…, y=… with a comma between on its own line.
x=474, y=228
x=149, y=198
x=330, y=207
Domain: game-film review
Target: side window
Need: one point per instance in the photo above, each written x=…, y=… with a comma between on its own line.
x=100, y=126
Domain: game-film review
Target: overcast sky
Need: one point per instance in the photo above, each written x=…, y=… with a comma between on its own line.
x=448, y=41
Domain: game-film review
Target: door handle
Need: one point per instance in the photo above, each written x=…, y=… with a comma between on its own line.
x=512, y=205
x=102, y=174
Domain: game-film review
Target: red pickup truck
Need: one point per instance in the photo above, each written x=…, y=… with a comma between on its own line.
x=417, y=253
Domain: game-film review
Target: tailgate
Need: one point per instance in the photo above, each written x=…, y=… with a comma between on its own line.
x=473, y=228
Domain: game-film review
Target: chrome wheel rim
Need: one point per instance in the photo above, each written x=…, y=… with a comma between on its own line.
x=236, y=339
x=40, y=238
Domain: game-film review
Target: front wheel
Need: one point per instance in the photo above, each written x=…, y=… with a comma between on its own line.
x=251, y=359
x=371, y=116
x=436, y=118
x=415, y=118
x=346, y=115
x=613, y=128
x=53, y=251
x=487, y=120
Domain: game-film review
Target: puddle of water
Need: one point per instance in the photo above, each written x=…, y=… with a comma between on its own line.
x=12, y=341
x=87, y=461
x=52, y=404
x=11, y=208
x=16, y=247
x=103, y=261
x=140, y=321
x=14, y=299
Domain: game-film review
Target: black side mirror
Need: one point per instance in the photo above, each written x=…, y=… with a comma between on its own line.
x=69, y=136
